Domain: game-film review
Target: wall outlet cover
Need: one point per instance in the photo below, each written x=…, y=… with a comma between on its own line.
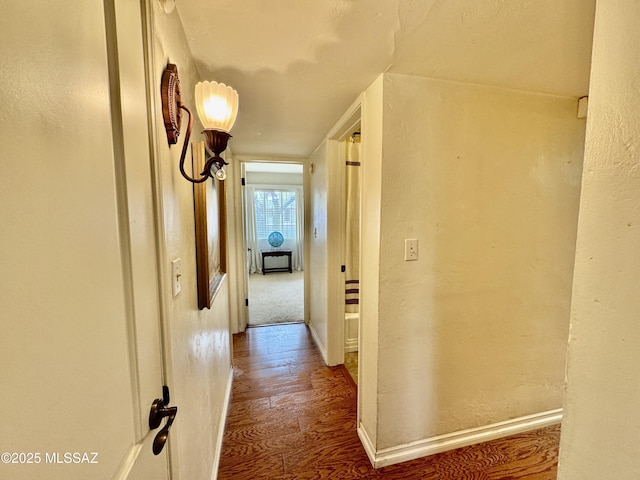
x=176, y=274
x=410, y=249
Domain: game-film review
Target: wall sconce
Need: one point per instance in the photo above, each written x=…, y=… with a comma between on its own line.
x=217, y=107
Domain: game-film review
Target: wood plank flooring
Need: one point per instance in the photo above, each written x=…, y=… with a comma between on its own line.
x=291, y=417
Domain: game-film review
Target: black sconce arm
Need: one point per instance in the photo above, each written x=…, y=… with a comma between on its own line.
x=215, y=140
x=204, y=175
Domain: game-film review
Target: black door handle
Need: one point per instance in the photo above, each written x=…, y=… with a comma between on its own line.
x=159, y=410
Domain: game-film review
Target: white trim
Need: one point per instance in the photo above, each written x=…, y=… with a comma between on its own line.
x=239, y=268
x=271, y=158
x=350, y=345
x=462, y=438
x=129, y=460
x=369, y=448
x=241, y=271
x=335, y=229
x=334, y=254
x=349, y=120
x=223, y=426
x=273, y=186
x=321, y=346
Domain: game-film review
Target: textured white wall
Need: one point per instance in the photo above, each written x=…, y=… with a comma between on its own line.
x=488, y=181
x=601, y=432
x=200, y=348
x=64, y=345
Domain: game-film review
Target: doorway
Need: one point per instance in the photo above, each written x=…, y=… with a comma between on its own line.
x=273, y=213
x=351, y=241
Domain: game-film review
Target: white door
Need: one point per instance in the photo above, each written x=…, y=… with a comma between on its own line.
x=147, y=457
x=80, y=349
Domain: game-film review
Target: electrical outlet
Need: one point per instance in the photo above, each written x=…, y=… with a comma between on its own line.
x=175, y=277
x=410, y=249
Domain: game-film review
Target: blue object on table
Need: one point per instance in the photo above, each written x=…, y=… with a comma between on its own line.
x=275, y=239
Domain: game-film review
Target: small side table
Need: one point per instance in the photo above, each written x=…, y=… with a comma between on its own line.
x=276, y=253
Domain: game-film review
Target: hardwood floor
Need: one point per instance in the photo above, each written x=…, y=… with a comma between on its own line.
x=291, y=417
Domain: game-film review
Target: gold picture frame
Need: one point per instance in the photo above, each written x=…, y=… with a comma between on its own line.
x=210, y=231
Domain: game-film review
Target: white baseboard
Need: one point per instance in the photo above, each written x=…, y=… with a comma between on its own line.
x=321, y=346
x=462, y=438
x=223, y=426
x=369, y=448
x=351, y=345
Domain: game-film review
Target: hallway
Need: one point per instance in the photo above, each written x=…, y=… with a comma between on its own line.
x=291, y=417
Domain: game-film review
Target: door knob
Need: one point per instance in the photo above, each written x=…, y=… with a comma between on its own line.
x=160, y=410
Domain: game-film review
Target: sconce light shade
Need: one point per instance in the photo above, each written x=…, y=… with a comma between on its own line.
x=217, y=105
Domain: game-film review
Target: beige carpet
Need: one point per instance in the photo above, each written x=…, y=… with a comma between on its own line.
x=276, y=298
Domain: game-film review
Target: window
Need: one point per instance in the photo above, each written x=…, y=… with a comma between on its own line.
x=275, y=210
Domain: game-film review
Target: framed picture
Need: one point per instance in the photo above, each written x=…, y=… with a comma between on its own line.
x=210, y=229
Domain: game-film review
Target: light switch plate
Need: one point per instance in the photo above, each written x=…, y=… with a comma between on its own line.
x=410, y=249
x=176, y=274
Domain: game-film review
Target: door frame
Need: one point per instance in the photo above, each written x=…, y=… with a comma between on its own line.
x=240, y=268
x=342, y=130
x=135, y=153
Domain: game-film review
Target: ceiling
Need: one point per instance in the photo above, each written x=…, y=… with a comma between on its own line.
x=299, y=64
